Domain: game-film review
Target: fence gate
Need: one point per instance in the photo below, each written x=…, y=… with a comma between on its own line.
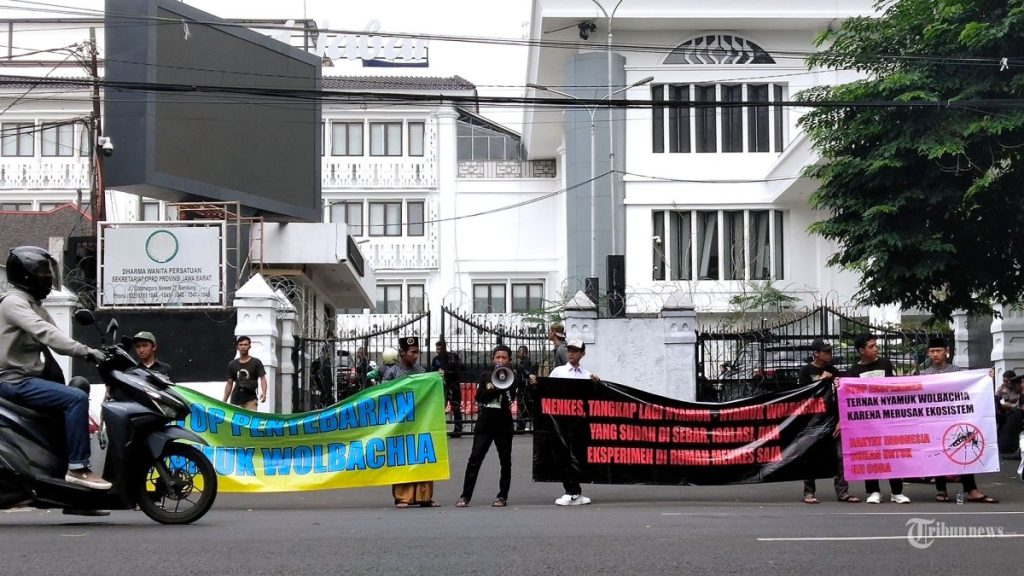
x=733, y=365
x=332, y=370
x=474, y=339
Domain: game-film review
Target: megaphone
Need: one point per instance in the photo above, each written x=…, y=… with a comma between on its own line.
x=503, y=377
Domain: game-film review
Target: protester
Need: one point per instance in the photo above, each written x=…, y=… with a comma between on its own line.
x=493, y=424
x=145, y=351
x=871, y=365
x=938, y=354
x=575, y=350
x=523, y=393
x=244, y=373
x=820, y=369
x=409, y=493
x=449, y=365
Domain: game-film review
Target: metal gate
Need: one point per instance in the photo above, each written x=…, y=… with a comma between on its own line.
x=733, y=365
x=332, y=370
x=474, y=339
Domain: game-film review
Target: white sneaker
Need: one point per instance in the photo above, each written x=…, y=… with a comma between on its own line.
x=569, y=500
x=874, y=498
x=900, y=499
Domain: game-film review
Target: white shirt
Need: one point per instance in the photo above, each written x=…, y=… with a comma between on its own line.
x=570, y=371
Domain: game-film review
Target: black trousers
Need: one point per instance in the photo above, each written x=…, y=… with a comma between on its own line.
x=839, y=482
x=895, y=484
x=492, y=425
x=968, y=480
x=453, y=393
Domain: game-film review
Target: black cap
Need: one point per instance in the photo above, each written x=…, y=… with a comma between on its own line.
x=407, y=342
x=1009, y=374
x=937, y=342
x=820, y=345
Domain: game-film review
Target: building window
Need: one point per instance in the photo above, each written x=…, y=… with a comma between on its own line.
x=745, y=236
x=323, y=139
x=47, y=206
x=85, y=142
x=17, y=139
x=720, y=117
x=527, y=297
x=488, y=298
x=385, y=139
x=385, y=218
x=389, y=299
x=482, y=142
x=346, y=139
x=417, y=299
x=150, y=211
x=59, y=140
x=415, y=218
x=16, y=206
x=416, y=130
x=350, y=213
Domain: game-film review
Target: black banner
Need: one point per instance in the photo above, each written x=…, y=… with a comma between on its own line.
x=606, y=433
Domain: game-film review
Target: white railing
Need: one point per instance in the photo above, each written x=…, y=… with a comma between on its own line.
x=44, y=173
x=378, y=172
x=416, y=252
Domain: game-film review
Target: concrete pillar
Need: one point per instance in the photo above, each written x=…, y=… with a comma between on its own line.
x=257, y=306
x=680, y=329
x=286, y=328
x=1008, y=340
x=61, y=305
x=447, y=160
x=581, y=319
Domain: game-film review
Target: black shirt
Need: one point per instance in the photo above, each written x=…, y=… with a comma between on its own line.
x=158, y=366
x=876, y=369
x=811, y=373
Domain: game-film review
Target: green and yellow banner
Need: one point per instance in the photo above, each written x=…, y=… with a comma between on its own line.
x=387, y=434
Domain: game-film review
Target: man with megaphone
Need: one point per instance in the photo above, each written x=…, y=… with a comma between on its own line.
x=494, y=396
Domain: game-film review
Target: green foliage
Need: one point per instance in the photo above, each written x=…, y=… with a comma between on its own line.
x=926, y=202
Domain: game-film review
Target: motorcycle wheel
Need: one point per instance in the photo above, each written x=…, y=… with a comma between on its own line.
x=193, y=490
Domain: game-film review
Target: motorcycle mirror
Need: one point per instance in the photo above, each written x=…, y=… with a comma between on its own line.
x=112, y=327
x=84, y=317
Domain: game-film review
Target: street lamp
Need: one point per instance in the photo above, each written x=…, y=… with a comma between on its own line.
x=591, y=110
x=611, y=133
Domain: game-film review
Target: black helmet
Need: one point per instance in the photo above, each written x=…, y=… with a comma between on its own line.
x=33, y=270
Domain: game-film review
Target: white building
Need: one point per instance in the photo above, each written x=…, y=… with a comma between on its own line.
x=708, y=198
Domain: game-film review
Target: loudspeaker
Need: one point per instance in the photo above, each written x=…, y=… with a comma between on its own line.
x=616, y=266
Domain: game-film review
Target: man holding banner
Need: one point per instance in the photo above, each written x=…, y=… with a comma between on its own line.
x=871, y=365
x=938, y=354
x=409, y=493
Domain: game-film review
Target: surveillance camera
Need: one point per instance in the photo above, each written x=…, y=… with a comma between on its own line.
x=585, y=29
x=106, y=146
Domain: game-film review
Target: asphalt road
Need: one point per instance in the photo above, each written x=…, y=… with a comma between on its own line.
x=762, y=529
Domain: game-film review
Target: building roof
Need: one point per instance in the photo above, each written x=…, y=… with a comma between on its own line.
x=397, y=83
x=36, y=228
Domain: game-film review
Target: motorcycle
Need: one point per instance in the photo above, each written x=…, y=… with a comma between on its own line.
x=147, y=463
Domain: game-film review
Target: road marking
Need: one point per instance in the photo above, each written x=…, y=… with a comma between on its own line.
x=904, y=537
x=909, y=513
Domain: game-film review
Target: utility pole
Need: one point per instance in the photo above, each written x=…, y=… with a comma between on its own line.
x=97, y=196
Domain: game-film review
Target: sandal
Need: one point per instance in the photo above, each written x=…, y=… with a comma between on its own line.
x=430, y=504
x=810, y=499
x=983, y=500
x=942, y=497
x=401, y=504
x=462, y=503
x=499, y=503
x=849, y=498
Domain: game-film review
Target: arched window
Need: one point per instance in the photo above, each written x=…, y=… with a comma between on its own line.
x=718, y=49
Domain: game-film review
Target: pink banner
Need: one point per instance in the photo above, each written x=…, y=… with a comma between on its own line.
x=918, y=426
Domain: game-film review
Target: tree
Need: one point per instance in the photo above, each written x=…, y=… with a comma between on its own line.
x=922, y=171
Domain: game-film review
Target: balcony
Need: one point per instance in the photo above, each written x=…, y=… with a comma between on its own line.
x=410, y=253
x=44, y=173
x=378, y=172
x=496, y=169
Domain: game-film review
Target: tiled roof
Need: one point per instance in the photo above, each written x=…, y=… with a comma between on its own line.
x=397, y=83
x=36, y=228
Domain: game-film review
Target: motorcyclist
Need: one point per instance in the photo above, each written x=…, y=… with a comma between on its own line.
x=27, y=332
